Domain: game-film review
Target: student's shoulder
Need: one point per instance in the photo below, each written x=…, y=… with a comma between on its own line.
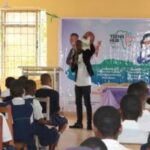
x=46, y=90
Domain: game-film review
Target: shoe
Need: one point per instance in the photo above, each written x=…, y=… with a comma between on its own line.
x=89, y=127
x=76, y=126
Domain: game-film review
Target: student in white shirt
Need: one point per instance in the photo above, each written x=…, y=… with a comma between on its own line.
x=140, y=90
x=131, y=110
x=55, y=114
x=47, y=134
x=30, y=88
x=107, y=126
x=6, y=134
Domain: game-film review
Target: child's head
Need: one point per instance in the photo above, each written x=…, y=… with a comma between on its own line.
x=107, y=122
x=30, y=87
x=9, y=81
x=17, y=89
x=23, y=79
x=140, y=90
x=94, y=142
x=45, y=79
x=131, y=107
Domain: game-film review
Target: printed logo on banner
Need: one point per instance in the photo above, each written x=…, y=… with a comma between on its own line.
x=121, y=39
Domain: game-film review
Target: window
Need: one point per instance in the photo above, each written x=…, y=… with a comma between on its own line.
x=23, y=40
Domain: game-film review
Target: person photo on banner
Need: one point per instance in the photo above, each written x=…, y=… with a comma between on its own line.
x=73, y=38
x=144, y=56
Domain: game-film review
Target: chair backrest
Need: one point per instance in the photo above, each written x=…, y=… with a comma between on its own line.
x=7, y=111
x=1, y=124
x=46, y=102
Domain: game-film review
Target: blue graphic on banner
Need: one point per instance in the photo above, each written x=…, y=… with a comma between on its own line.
x=115, y=71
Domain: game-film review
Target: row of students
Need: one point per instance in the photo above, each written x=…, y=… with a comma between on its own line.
x=26, y=123
x=107, y=120
x=27, y=113
x=46, y=90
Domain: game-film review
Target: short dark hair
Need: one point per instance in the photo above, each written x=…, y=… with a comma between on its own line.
x=74, y=34
x=94, y=142
x=131, y=107
x=9, y=81
x=16, y=89
x=138, y=89
x=45, y=78
x=107, y=120
x=23, y=79
x=30, y=85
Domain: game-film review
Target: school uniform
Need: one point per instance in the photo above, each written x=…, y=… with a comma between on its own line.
x=144, y=121
x=5, y=93
x=6, y=134
x=8, y=99
x=37, y=108
x=47, y=135
x=131, y=133
x=113, y=144
x=47, y=91
x=22, y=120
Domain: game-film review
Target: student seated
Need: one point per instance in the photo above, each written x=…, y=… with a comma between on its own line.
x=8, y=98
x=47, y=91
x=107, y=126
x=22, y=116
x=8, y=83
x=46, y=135
x=94, y=142
x=131, y=110
x=141, y=91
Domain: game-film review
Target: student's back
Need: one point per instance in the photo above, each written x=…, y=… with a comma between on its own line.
x=140, y=90
x=54, y=98
x=22, y=116
x=131, y=110
x=22, y=122
x=107, y=122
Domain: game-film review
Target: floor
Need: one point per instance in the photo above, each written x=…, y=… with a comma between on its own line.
x=73, y=137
